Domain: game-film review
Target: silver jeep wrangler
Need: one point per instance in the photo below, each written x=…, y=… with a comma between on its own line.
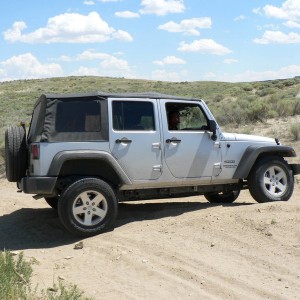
x=85, y=153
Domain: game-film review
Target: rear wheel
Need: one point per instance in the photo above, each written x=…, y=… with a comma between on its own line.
x=15, y=153
x=227, y=197
x=88, y=207
x=271, y=179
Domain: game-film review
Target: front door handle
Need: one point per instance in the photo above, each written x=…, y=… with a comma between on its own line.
x=173, y=140
x=123, y=141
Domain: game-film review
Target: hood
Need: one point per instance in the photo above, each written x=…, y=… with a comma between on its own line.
x=247, y=137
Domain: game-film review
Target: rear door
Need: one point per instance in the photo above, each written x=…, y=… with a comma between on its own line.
x=135, y=137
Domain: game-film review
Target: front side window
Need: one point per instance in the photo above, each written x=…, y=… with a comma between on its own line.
x=78, y=116
x=185, y=116
x=133, y=115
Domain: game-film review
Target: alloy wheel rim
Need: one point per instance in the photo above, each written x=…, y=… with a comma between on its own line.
x=275, y=181
x=89, y=208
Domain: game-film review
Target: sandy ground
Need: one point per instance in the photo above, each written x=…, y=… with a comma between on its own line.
x=175, y=249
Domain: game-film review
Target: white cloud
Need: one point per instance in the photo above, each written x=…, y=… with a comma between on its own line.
x=63, y=58
x=115, y=64
x=188, y=27
x=111, y=66
x=278, y=37
x=163, y=75
x=292, y=24
x=68, y=28
x=85, y=71
x=272, y=27
x=290, y=10
x=170, y=60
x=209, y=76
x=27, y=66
x=230, y=61
x=284, y=72
x=106, y=64
x=127, y=14
x=88, y=2
x=86, y=55
x=204, y=46
x=162, y=7
x=105, y=1
x=91, y=55
x=239, y=18
x=14, y=34
x=122, y=35
x=257, y=11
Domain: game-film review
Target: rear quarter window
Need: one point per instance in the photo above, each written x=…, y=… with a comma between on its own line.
x=78, y=116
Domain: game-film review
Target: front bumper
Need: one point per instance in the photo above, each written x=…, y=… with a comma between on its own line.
x=38, y=185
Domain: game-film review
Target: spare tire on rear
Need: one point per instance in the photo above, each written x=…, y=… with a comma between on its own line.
x=15, y=153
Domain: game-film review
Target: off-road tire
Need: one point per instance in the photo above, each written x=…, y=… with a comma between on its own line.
x=227, y=197
x=16, y=153
x=88, y=207
x=271, y=179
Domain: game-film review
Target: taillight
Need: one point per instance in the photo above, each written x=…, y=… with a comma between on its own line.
x=35, y=151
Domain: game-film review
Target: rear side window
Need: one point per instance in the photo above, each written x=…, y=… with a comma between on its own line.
x=79, y=116
x=133, y=115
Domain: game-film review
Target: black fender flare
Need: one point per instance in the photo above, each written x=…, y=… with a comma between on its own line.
x=254, y=151
x=66, y=155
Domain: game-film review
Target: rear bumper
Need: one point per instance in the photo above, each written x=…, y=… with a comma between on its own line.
x=38, y=185
x=295, y=168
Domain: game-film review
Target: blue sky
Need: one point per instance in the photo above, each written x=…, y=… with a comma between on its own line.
x=169, y=40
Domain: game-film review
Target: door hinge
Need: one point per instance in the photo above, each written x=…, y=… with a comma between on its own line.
x=217, y=169
x=157, y=168
x=217, y=145
x=156, y=146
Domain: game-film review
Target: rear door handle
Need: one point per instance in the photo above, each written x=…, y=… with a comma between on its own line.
x=123, y=141
x=173, y=140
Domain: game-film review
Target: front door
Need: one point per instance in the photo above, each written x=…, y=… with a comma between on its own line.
x=135, y=137
x=189, y=151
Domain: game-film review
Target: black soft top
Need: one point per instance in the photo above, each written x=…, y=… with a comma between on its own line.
x=44, y=119
x=149, y=95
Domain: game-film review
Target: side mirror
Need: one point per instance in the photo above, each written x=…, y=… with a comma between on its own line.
x=212, y=126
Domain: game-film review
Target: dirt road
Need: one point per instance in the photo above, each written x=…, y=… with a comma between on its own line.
x=172, y=249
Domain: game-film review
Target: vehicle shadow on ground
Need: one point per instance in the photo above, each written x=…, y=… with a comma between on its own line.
x=35, y=228
x=136, y=211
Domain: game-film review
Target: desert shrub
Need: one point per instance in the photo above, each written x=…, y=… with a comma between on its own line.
x=272, y=114
x=15, y=282
x=257, y=111
x=279, y=85
x=289, y=82
x=265, y=92
x=248, y=88
x=62, y=292
x=14, y=277
x=235, y=91
x=295, y=131
x=219, y=98
x=231, y=113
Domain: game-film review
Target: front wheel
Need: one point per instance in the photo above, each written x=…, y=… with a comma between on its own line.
x=227, y=197
x=88, y=207
x=271, y=179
